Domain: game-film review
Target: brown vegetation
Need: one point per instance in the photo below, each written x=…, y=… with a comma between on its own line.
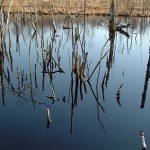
x=93, y=7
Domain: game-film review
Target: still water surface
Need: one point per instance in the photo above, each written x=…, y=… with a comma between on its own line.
x=43, y=70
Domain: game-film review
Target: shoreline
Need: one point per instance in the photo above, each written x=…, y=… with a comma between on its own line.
x=106, y=13
x=70, y=10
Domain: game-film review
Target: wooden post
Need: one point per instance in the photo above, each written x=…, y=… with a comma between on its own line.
x=112, y=15
x=48, y=118
x=48, y=115
x=143, y=143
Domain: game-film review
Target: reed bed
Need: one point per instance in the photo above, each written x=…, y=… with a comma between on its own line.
x=93, y=7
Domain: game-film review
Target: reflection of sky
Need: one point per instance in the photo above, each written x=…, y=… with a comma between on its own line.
x=122, y=124
x=130, y=54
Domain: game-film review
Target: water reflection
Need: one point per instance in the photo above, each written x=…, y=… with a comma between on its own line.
x=60, y=62
x=0, y=63
x=51, y=65
x=2, y=77
x=146, y=83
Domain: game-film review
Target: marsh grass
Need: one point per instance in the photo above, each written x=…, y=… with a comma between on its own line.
x=93, y=7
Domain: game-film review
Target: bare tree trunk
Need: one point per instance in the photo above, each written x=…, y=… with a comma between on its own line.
x=112, y=15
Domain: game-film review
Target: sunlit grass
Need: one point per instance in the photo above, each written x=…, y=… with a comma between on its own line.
x=92, y=6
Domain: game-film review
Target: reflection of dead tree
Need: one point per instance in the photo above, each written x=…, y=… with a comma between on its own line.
x=2, y=76
x=67, y=24
x=78, y=69
x=21, y=92
x=99, y=119
x=99, y=62
x=50, y=65
x=7, y=21
x=89, y=76
x=34, y=24
x=1, y=3
x=102, y=86
x=53, y=22
x=2, y=57
x=18, y=91
x=52, y=62
x=53, y=97
x=35, y=78
x=21, y=79
x=78, y=66
x=96, y=98
x=78, y=81
x=49, y=62
x=114, y=27
x=30, y=68
x=146, y=82
x=16, y=24
x=98, y=106
x=110, y=58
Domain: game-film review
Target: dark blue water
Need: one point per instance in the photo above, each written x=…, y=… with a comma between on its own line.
x=84, y=115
